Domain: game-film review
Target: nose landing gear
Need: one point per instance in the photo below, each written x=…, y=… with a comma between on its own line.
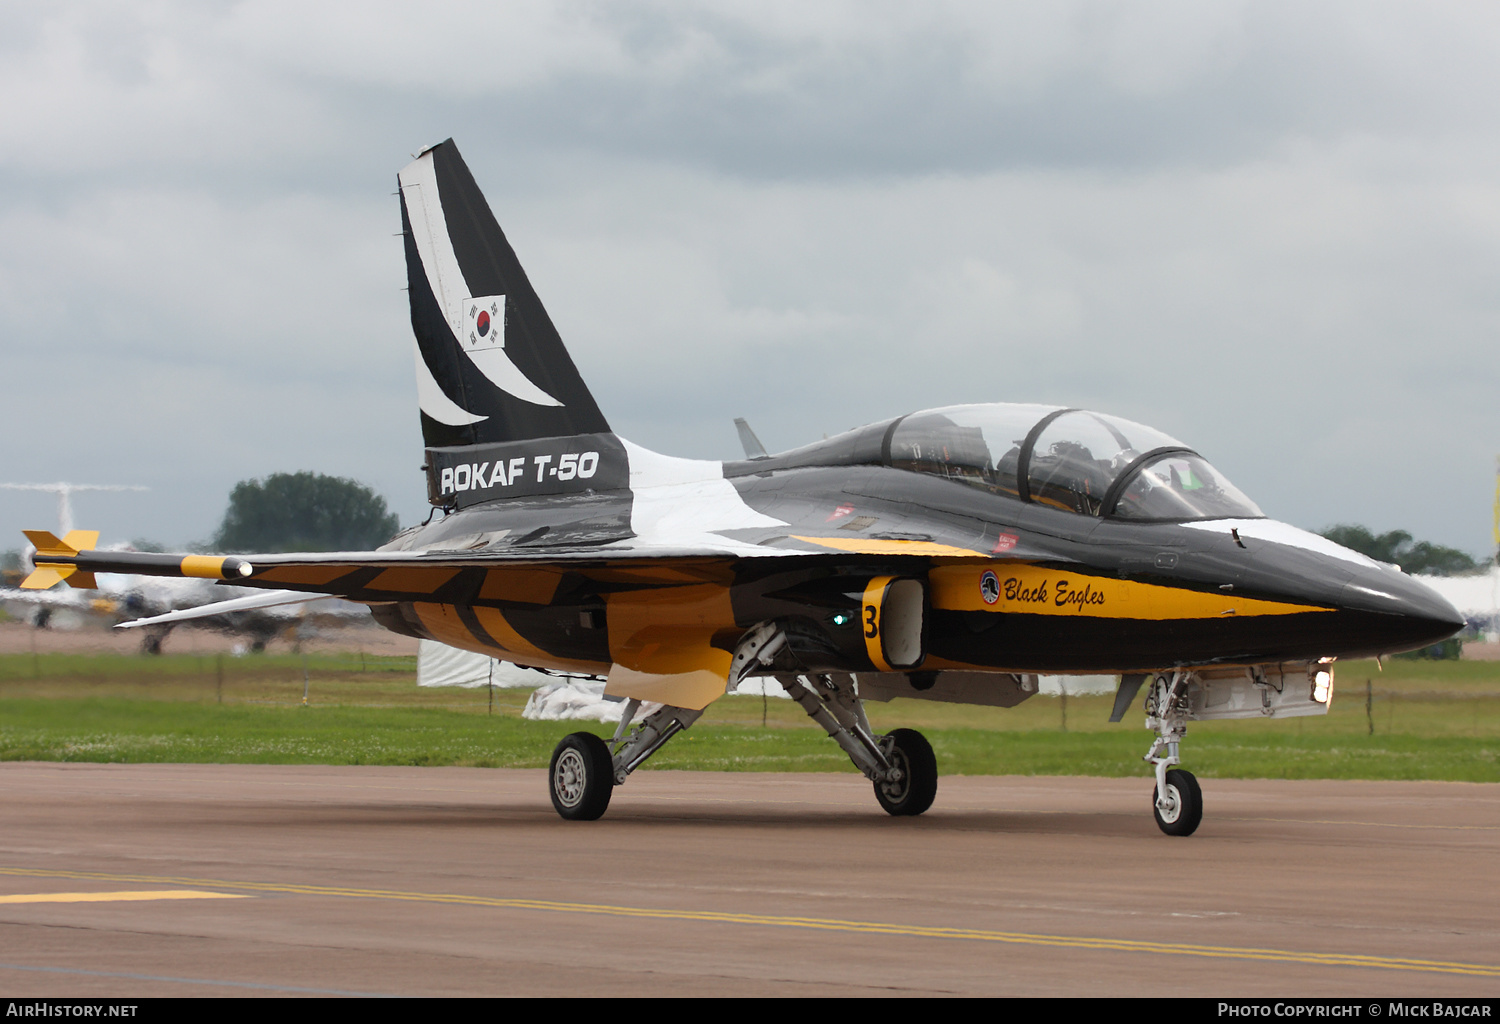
x=1177, y=802
x=1178, y=808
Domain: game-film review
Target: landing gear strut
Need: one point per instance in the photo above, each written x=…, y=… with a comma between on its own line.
x=1177, y=801
x=901, y=766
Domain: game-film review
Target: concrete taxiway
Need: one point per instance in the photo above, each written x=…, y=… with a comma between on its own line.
x=137, y=880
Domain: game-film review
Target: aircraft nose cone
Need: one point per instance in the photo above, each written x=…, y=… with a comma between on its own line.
x=1412, y=615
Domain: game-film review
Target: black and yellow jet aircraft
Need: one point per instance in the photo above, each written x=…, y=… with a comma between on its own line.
x=947, y=555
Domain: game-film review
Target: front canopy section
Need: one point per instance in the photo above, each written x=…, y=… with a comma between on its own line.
x=1083, y=462
x=1181, y=486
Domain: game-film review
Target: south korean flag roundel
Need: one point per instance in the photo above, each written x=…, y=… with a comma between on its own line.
x=484, y=322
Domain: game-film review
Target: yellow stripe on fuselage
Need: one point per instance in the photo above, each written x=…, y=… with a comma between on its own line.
x=877, y=546
x=444, y=623
x=1034, y=590
x=503, y=633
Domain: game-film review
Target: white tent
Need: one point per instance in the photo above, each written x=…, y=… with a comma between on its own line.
x=441, y=665
x=553, y=697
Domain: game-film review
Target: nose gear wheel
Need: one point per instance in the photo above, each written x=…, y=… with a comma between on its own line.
x=1178, y=807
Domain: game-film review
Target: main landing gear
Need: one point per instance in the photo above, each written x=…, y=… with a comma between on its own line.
x=1177, y=801
x=914, y=785
x=582, y=777
x=585, y=770
x=901, y=766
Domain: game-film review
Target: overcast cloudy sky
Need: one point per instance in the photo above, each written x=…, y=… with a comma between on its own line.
x=1269, y=229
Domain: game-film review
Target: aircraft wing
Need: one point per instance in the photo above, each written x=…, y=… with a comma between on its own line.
x=497, y=572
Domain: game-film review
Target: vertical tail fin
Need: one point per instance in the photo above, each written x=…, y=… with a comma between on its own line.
x=490, y=364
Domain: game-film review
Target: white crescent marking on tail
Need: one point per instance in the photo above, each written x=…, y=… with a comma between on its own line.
x=505, y=375
x=429, y=228
x=432, y=400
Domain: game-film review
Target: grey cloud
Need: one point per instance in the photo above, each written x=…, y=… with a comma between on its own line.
x=745, y=90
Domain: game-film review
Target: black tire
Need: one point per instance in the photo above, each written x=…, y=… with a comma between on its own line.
x=581, y=777
x=1183, y=817
x=919, y=775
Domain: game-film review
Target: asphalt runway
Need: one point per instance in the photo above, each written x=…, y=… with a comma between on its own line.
x=168, y=880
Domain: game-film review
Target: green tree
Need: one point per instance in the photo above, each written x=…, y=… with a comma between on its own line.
x=304, y=512
x=1397, y=547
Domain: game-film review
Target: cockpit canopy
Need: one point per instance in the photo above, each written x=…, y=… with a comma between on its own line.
x=1085, y=462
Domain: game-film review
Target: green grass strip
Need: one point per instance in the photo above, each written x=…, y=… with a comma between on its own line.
x=123, y=730
x=1415, y=720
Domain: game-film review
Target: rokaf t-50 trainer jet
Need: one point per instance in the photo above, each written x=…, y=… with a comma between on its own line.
x=947, y=555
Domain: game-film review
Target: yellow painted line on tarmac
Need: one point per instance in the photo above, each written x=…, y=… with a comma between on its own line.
x=121, y=897
x=824, y=924
x=1365, y=824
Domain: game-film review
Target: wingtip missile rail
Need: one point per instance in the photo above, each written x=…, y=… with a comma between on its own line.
x=73, y=558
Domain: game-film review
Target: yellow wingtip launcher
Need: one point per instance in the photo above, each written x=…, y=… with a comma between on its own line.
x=74, y=559
x=46, y=576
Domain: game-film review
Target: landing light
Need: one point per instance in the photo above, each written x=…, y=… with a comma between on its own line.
x=1322, y=682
